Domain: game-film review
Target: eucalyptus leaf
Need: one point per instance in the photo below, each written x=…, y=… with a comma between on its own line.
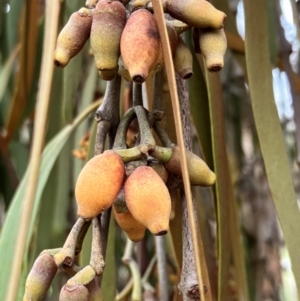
x=269, y=128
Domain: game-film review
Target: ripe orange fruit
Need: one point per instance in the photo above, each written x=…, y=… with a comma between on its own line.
x=99, y=183
x=148, y=199
x=134, y=230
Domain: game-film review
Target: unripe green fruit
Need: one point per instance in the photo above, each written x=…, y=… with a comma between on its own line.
x=40, y=278
x=199, y=172
x=72, y=37
x=213, y=46
x=183, y=60
x=196, y=13
x=109, y=19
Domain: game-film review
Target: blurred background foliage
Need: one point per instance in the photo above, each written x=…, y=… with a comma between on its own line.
x=256, y=187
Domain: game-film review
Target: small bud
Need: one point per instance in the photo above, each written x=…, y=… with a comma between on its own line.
x=213, y=46
x=183, y=60
x=109, y=19
x=199, y=172
x=40, y=278
x=73, y=37
x=196, y=13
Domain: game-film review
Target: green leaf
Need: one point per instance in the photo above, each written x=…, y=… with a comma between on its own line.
x=200, y=110
x=224, y=194
x=269, y=129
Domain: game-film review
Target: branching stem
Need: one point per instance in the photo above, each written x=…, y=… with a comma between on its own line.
x=66, y=255
x=96, y=260
x=120, y=139
x=147, y=141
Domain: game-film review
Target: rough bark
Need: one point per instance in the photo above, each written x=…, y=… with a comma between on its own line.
x=188, y=283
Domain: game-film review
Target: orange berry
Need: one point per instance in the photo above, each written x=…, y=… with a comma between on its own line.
x=140, y=45
x=148, y=199
x=99, y=183
x=134, y=230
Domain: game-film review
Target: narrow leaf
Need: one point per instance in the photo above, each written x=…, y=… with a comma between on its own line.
x=223, y=183
x=269, y=129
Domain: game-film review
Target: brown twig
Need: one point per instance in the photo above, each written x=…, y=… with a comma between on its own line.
x=66, y=255
x=108, y=112
x=157, y=104
x=162, y=268
x=96, y=260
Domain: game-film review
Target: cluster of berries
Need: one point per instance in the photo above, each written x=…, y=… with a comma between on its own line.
x=137, y=189
x=136, y=181
x=125, y=40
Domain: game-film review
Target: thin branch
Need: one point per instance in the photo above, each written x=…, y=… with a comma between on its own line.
x=137, y=95
x=162, y=268
x=120, y=139
x=96, y=260
x=136, y=294
x=147, y=141
x=66, y=255
x=159, y=14
x=108, y=112
x=157, y=104
x=144, y=280
x=102, y=131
